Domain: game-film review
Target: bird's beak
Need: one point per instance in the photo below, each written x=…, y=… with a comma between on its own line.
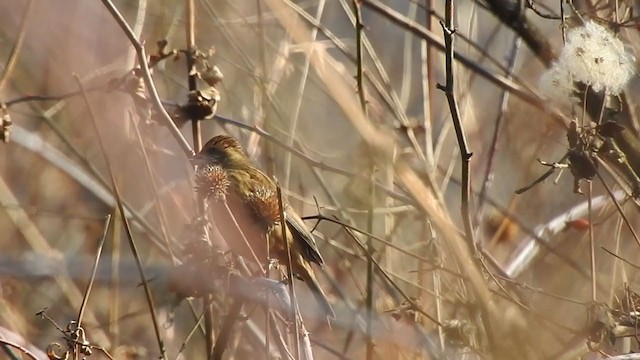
x=197, y=160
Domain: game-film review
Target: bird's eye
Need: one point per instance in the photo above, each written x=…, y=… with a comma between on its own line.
x=216, y=155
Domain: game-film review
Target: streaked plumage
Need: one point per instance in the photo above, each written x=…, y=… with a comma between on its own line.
x=252, y=198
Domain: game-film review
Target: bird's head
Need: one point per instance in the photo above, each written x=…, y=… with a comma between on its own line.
x=223, y=151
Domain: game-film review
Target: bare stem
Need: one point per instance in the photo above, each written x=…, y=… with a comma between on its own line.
x=592, y=244
x=292, y=289
x=465, y=155
x=146, y=75
x=127, y=227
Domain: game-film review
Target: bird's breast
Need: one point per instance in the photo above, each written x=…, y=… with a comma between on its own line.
x=240, y=229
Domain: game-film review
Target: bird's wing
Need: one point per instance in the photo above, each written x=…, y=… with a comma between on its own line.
x=302, y=235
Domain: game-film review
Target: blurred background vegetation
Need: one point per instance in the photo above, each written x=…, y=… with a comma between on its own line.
x=284, y=64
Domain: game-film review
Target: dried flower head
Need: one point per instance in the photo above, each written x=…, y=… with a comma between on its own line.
x=558, y=84
x=5, y=123
x=211, y=75
x=263, y=203
x=202, y=104
x=592, y=55
x=211, y=182
x=459, y=332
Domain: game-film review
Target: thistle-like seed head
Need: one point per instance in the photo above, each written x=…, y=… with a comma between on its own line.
x=263, y=203
x=211, y=182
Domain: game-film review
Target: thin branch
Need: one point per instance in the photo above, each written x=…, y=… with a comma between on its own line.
x=38, y=243
x=511, y=13
x=550, y=16
x=191, y=71
x=15, y=51
x=63, y=96
x=148, y=80
x=301, y=89
x=233, y=314
x=384, y=144
x=159, y=209
x=387, y=278
x=107, y=222
x=18, y=347
x=290, y=274
x=592, y=246
x=530, y=248
x=465, y=155
x=486, y=183
x=616, y=202
x=428, y=83
x=125, y=220
x=498, y=80
x=98, y=187
x=370, y=250
x=544, y=176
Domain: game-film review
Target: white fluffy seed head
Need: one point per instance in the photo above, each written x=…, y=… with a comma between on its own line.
x=592, y=55
x=557, y=83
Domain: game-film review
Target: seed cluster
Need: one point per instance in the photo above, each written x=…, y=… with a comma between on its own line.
x=212, y=182
x=263, y=203
x=592, y=55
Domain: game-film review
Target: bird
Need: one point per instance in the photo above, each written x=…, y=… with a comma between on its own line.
x=224, y=171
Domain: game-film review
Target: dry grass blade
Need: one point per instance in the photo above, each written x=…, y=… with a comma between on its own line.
x=144, y=65
x=426, y=253
x=15, y=52
x=107, y=222
x=127, y=227
x=224, y=335
x=6, y=344
x=292, y=289
x=380, y=142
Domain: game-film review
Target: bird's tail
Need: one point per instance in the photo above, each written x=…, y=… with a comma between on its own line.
x=310, y=279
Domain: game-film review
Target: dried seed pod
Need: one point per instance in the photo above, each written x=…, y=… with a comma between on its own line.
x=5, y=124
x=211, y=182
x=201, y=104
x=263, y=203
x=211, y=75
